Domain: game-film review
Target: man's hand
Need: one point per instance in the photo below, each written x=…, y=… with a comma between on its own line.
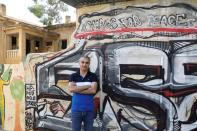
x=74, y=89
x=72, y=86
x=91, y=90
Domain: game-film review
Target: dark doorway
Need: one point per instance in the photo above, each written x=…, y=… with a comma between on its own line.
x=64, y=44
x=14, y=43
x=28, y=46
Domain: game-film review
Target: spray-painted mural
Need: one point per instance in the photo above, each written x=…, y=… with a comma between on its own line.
x=12, y=97
x=146, y=61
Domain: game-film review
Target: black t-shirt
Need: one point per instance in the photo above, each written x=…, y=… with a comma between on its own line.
x=83, y=102
x=90, y=77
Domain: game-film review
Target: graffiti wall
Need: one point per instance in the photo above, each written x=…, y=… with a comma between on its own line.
x=145, y=57
x=12, y=97
x=146, y=60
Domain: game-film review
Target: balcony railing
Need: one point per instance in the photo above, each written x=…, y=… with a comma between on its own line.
x=12, y=56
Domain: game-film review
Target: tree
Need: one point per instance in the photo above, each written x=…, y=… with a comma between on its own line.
x=48, y=11
x=17, y=88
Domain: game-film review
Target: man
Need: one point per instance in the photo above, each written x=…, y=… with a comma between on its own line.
x=83, y=85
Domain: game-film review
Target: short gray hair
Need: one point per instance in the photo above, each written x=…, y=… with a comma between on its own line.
x=86, y=57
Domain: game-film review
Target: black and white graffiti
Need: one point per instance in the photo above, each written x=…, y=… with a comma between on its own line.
x=146, y=60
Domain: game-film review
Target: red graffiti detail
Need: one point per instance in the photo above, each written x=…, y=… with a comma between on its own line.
x=123, y=30
x=169, y=93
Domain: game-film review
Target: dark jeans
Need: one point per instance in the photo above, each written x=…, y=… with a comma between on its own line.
x=87, y=117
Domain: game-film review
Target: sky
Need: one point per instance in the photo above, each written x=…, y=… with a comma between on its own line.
x=19, y=9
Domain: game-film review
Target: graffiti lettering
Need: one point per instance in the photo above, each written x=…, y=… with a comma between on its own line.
x=124, y=20
x=30, y=96
x=171, y=20
x=99, y=24
x=133, y=21
x=28, y=121
x=112, y=23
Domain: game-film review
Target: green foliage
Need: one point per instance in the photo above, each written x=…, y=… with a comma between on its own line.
x=37, y=10
x=48, y=11
x=6, y=74
x=17, y=88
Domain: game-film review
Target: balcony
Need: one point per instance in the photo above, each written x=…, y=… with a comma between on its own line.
x=12, y=56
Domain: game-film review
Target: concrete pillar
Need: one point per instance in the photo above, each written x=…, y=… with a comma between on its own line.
x=22, y=45
x=4, y=51
x=32, y=45
x=8, y=42
x=2, y=44
x=55, y=45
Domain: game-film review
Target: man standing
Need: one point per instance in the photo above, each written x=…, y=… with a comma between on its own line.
x=83, y=85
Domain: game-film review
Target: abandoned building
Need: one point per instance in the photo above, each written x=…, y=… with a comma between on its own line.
x=19, y=38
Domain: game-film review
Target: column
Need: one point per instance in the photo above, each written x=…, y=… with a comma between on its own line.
x=22, y=45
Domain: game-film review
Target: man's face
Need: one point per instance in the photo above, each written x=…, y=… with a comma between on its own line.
x=84, y=64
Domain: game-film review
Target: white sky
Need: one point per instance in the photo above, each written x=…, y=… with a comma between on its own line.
x=19, y=10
